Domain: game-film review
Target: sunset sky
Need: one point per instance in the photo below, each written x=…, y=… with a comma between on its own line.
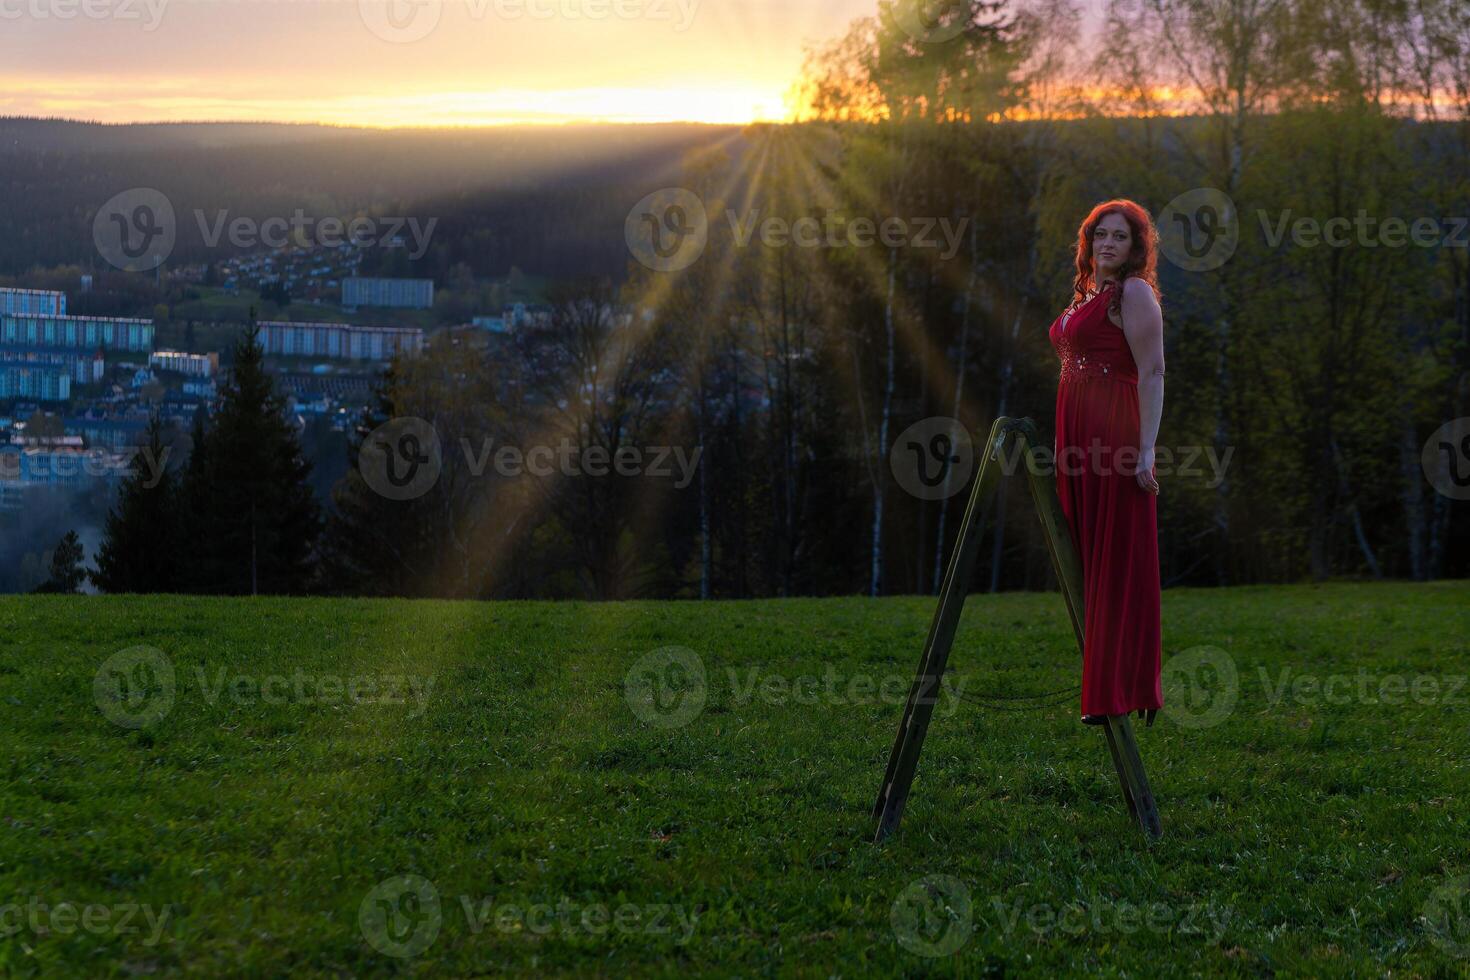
x=409, y=62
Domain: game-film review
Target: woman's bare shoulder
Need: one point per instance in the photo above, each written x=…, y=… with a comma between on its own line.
x=1138, y=288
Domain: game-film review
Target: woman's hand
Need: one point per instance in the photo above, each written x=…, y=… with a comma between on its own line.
x=1147, y=478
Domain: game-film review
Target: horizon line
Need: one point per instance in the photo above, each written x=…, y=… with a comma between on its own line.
x=389, y=128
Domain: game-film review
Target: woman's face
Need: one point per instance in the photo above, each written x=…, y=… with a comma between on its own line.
x=1112, y=241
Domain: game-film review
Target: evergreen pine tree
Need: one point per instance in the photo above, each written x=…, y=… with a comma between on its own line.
x=252, y=514
x=192, y=499
x=140, y=550
x=66, y=574
x=378, y=546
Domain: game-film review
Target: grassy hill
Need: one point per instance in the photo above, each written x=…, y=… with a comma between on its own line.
x=352, y=787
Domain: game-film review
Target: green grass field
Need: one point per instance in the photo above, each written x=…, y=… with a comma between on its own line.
x=353, y=787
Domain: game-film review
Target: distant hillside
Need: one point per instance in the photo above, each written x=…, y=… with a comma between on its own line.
x=549, y=199
x=67, y=134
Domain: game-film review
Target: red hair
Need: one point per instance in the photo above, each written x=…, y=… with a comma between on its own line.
x=1143, y=254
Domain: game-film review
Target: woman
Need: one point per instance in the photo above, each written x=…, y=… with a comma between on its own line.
x=1110, y=397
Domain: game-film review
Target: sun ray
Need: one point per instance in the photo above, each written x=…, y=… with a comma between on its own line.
x=531, y=507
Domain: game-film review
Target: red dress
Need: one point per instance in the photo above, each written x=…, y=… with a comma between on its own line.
x=1114, y=521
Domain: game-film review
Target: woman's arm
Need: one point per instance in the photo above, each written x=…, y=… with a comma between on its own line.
x=1143, y=325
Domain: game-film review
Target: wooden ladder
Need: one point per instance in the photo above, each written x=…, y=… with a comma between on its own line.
x=903, y=760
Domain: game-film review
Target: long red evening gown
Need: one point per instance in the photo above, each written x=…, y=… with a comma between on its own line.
x=1113, y=520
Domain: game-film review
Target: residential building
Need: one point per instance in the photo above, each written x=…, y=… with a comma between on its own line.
x=83, y=368
x=32, y=302
x=189, y=365
x=42, y=382
x=89, y=333
x=355, y=389
x=339, y=341
x=412, y=294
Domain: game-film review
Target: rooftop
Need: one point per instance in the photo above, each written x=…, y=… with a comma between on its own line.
x=69, y=316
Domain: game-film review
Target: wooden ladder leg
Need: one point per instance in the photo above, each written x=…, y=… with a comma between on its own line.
x=1055, y=530
x=1136, y=779
x=1122, y=747
x=1122, y=773
x=903, y=758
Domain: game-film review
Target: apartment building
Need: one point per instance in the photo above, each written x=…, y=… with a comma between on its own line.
x=32, y=302
x=338, y=341
x=36, y=381
x=411, y=294
x=89, y=333
x=189, y=365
